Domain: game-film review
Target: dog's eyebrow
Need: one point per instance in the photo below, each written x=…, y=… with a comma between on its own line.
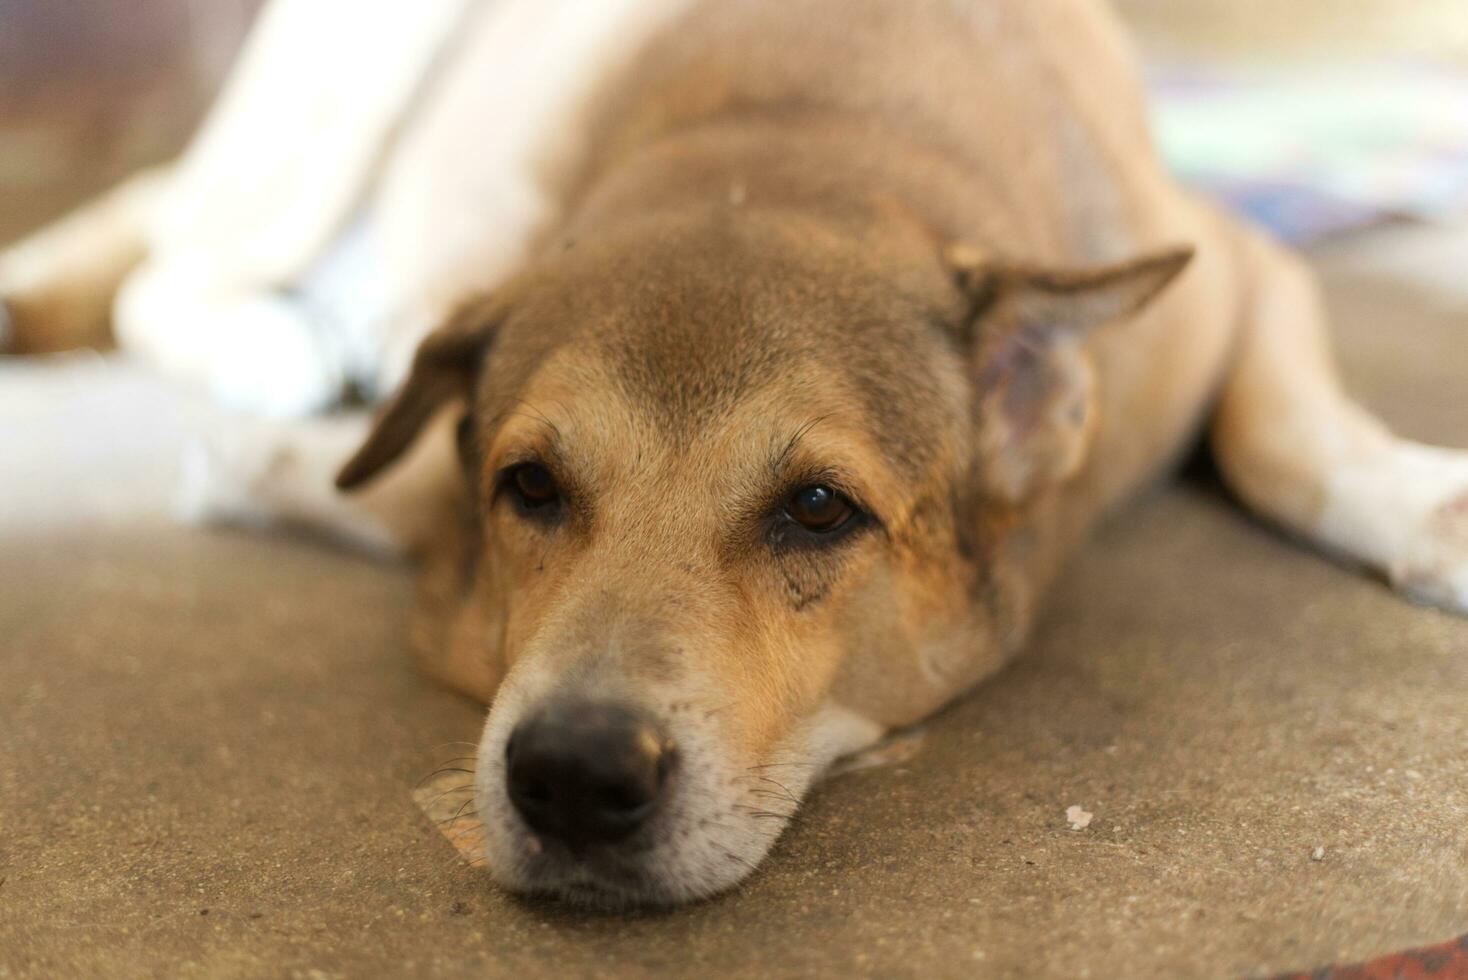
x=777, y=465
x=526, y=410
x=836, y=468
x=552, y=446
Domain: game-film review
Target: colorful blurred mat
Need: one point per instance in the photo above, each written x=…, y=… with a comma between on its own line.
x=1317, y=150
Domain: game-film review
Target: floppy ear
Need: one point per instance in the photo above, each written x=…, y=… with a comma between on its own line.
x=1035, y=399
x=443, y=369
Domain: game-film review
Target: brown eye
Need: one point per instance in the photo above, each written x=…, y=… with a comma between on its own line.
x=819, y=509
x=533, y=486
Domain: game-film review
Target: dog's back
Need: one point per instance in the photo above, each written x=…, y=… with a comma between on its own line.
x=1022, y=117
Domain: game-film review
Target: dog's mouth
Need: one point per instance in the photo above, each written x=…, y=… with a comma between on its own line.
x=602, y=806
x=684, y=856
x=603, y=878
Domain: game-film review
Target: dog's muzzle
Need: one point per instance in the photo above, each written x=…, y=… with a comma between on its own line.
x=588, y=773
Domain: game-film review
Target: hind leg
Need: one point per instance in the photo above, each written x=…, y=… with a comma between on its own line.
x=1299, y=451
x=56, y=286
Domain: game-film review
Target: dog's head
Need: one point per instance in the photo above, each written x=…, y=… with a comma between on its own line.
x=747, y=490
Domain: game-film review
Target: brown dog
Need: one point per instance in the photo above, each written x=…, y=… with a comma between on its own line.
x=852, y=318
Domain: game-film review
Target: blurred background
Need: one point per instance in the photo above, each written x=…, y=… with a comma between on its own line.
x=1316, y=116
x=91, y=90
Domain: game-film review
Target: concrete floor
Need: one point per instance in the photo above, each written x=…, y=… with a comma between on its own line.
x=209, y=742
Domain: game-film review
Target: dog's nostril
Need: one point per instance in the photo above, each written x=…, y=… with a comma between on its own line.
x=624, y=798
x=587, y=772
x=532, y=791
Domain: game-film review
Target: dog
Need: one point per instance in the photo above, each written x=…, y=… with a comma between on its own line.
x=773, y=357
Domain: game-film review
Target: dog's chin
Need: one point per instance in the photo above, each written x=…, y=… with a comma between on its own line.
x=608, y=883
x=673, y=862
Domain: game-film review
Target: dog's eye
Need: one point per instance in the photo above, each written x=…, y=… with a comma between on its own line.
x=819, y=509
x=533, y=486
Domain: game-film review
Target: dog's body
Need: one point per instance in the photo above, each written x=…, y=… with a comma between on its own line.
x=822, y=336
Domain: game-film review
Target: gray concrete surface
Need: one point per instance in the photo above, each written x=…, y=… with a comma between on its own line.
x=208, y=743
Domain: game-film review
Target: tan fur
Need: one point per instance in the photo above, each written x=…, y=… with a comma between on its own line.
x=56, y=287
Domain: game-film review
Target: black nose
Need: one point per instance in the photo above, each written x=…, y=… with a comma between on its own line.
x=587, y=772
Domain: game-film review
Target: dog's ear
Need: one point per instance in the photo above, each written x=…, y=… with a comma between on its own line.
x=443, y=369
x=1034, y=385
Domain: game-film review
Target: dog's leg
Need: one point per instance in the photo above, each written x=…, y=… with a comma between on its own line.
x=1296, y=449
x=56, y=286
x=262, y=473
x=258, y=351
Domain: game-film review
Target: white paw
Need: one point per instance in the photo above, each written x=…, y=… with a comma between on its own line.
x=262, y=473
x=1404, y=510
x=265, y=357
x=1435, y=569
x=260, y=353
x=225, y=476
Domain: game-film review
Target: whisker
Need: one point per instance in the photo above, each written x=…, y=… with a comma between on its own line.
x=770, y=794
x=783, y=456
x=457, y=789
x=755, y=811
x=440, y=771
x=460, y=812
x=531, y=412
x=774, y=782
x=463, y=833
x=783, y=794
x=448, y=769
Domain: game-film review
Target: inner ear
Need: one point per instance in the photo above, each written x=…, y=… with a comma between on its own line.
x=1033, y=379
x=443, y=369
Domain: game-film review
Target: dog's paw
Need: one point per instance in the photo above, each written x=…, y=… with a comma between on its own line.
x=267, y=358
x=259, y=353
x=1435, y=569
x=225, y=475
x=261, y=473
x=1431, y=501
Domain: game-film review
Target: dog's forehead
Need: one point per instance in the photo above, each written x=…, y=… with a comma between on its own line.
x=690, y=326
